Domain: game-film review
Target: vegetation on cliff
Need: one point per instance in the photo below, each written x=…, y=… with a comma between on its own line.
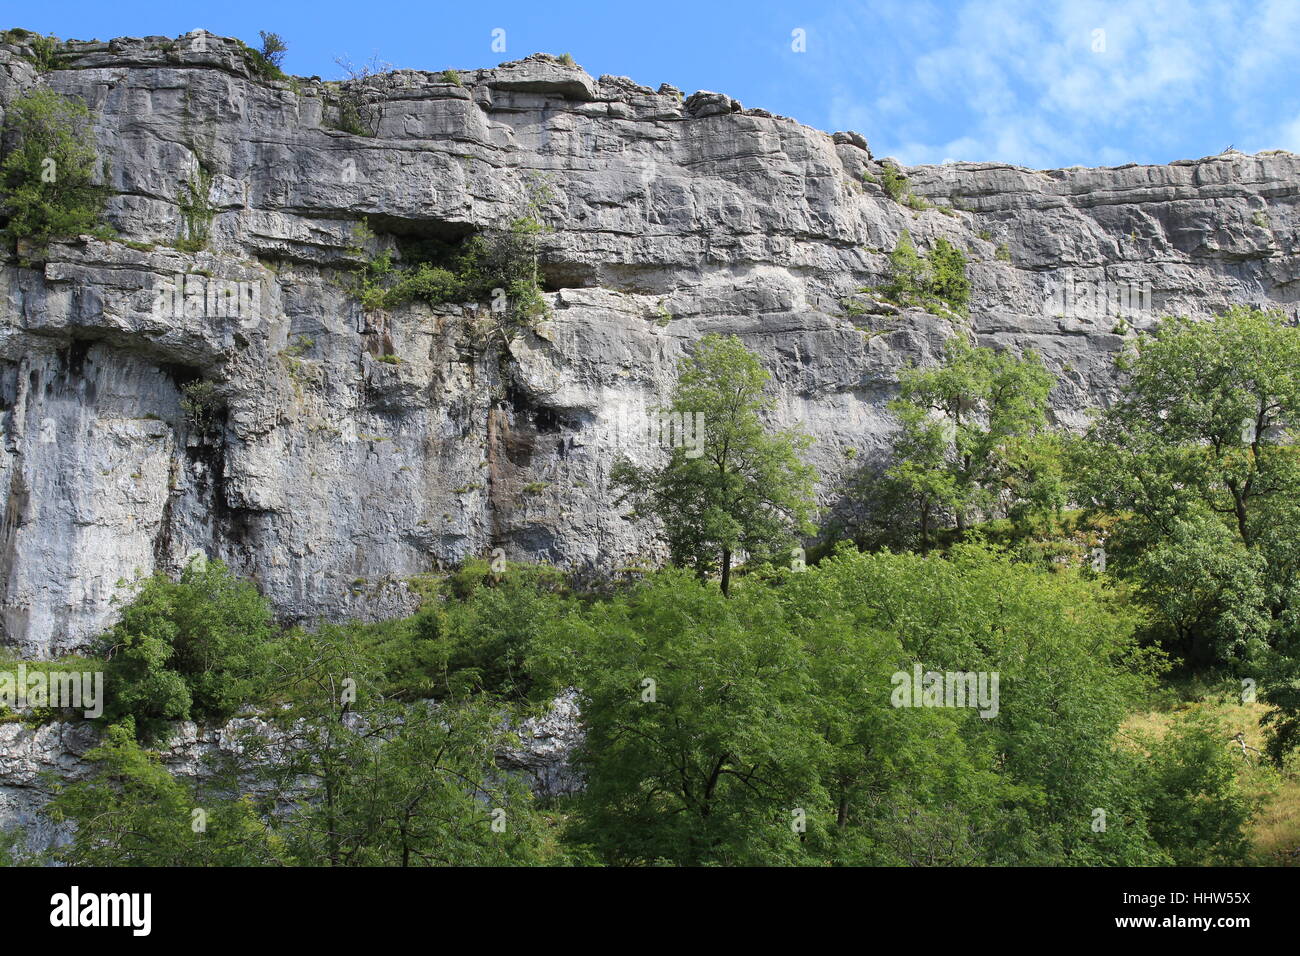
x=785, y=721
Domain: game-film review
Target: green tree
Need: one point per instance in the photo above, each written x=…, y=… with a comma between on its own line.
x=273, y=48
x=194, y=648
x=1198, y=456
x=1068, y=668
x=1206, y=422
x=972, y=436
x=480, y=635
x=763, y=729
x=131, y=811
x=699, y=742
x=1195, y=805
x=47, y=179
x=909, y=273
x=894, y=181
x=948, y=282
x=939, y=276
x=361, y=780
x=903, y=786
x=748, y=491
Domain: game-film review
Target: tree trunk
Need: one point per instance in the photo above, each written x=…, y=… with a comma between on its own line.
x=726, y=572
x=1239, y=511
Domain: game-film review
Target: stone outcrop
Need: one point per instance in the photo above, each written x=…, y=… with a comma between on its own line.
x=33, y=759
x=353, y=449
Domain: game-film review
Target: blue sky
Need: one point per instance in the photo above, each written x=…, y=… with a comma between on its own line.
x=1041, y=84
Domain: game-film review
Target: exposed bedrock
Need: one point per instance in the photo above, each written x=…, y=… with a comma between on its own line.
x=353, y=450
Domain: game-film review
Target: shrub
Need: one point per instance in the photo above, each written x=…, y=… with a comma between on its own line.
x=260, y=65
x=488, y=625
x=358, y=113
x=196, y=212
x=894, y=181
x=948, y=275
x=186, y=649
x=273, y=48
x=938, y=276
x=131, y=811
x=1195, y=806
x=450, y=76
x=908, y=274
x=47, y=185
x=203, y=406
x=428, y=283
x=497, y=266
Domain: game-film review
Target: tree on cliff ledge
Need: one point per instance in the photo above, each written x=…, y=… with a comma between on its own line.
x=47, y=178
x=742, y=488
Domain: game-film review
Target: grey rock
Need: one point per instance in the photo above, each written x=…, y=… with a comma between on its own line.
x=851, y=138
x=34, y=759
x=545, y=74
x=339, y=473
x=704, y=103
x=546, y=749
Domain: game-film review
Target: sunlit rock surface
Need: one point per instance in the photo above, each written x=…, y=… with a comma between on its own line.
x=360, y=449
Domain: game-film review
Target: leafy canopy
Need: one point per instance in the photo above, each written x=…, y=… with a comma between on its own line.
x=190, y=649
x=748, y=491
x=973, y=437
x=47, y=179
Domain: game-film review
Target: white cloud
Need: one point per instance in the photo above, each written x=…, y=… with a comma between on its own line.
x=1288, y=136
x=1027, y=83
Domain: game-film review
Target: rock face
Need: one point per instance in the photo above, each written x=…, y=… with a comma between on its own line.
x=357, y=449
x=33, y=758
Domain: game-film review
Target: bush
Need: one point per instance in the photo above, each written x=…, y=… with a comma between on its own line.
x=196, y=213
x=358, y=113
x=909, y=273
x=497, y=266
x=47, y=180
x=938, y=276
x=428, y=283
x=203, y=407
x=273, y=48
x=187, y=649
x=260, y=66
x=948, y=280
x=486, y=627
x=894, y=181
x=1195, y=806
x=132, y=812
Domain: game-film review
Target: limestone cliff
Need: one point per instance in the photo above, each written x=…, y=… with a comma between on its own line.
x=357, y=449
